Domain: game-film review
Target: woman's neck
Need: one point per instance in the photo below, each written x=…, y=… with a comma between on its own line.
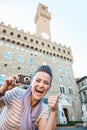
x=34, y=102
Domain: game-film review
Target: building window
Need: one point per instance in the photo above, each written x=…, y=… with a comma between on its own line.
x=18, y=35
x=19, y=68
x=43, y=43
x=2, y=78
x=82, y=84
x=62, y=90
x=37, y=41
x=68, y=52
x=73, y=104
x=31, y=40
x=69, y=80
x=61, y=79
x=59, y=49
x=70, y=91
x=59, y=68
x=31, y=62
x=84, y=93
x=11, y=33
x=67, y=71
x=86, y=107
x=48, y=45
x=4, y=31
x=25, y=38
x=5, y=65
x=20, y=58
x=54, y=47
x=64, y=51
x=8, y=55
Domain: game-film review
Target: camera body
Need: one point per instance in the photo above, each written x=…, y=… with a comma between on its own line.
x=24, y=79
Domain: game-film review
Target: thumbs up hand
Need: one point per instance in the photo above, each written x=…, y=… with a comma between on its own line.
x=53, y=102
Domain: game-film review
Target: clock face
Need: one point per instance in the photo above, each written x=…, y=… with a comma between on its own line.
x=45, y=35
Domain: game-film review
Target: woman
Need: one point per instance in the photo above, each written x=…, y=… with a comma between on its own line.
x=25, y=108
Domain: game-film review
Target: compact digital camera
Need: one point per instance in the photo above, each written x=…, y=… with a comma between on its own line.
x=24, y=79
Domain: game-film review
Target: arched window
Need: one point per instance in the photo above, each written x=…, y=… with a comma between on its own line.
x=70, y=91
x=61, y=78
x=31, y=62
x=62, y=90
x=69, y=80
x=20, y=58
x=59, y=68
x=2, y=78
x=67, y=71
x=8, y=55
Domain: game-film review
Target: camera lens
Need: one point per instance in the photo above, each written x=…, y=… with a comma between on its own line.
x=27, y=80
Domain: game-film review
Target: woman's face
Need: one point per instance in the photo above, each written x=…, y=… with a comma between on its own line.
x=40, y=85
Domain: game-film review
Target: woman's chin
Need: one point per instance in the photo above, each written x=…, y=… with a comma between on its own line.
x=38, y=96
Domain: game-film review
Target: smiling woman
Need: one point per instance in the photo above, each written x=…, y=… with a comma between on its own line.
x=25, y=108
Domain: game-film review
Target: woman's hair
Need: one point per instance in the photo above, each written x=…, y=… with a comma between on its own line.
x=45, y=68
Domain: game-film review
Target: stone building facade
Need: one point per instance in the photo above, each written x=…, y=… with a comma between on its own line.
x=22, y=52
x=82, y=85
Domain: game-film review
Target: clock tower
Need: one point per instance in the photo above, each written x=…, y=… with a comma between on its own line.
x=42, y=21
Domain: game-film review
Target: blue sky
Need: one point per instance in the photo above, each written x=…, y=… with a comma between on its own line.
x=68, y=24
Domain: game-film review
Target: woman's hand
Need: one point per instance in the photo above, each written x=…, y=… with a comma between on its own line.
x=53, y=102
x=9, y=83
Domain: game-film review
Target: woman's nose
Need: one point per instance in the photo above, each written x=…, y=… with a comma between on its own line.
x=41, y=84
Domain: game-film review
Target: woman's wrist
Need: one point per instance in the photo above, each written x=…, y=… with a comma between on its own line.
x=54, y=110
x=2, y=91
x=2, y=94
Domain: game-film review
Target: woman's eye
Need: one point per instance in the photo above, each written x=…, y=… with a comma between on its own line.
x=38, y=80
x=47, y=83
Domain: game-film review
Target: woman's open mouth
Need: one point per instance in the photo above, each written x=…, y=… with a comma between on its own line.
x=39, y=92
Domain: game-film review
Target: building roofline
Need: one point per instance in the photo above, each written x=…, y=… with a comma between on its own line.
x=79, y=80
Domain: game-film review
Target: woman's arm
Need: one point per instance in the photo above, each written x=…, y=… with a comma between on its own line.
x=7, y=85
x=2, y=104
x=1, y=99
x=51, y=123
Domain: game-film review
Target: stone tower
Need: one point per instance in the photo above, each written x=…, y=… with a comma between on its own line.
x=42, y=21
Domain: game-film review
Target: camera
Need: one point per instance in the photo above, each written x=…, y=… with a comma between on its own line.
x=24, y=79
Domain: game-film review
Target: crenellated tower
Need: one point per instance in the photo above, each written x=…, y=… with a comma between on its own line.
x=42, y=21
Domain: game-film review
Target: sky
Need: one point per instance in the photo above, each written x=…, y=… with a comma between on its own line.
x=68, y=24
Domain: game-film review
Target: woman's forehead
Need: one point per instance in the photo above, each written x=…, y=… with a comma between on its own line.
x=42, y=74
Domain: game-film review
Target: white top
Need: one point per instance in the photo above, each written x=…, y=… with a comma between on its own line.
x=10, y=117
